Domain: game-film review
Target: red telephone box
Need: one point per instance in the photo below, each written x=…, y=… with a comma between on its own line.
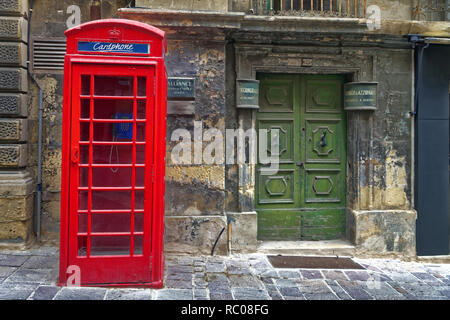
x=113, y=162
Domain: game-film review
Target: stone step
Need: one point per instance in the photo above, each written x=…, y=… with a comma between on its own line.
x=308, y=248
x=434, y=259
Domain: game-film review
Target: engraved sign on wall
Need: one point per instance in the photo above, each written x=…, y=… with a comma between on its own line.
x=181, y=95
x=360, y=96
x=247, y=93
x=181, y=88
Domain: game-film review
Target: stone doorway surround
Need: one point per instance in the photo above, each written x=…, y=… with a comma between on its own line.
x=379, y=216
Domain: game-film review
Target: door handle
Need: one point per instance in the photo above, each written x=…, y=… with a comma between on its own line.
x=75, y=155
x=323, y=139
x=301, y=164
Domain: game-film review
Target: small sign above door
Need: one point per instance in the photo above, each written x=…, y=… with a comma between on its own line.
x=360, y=96
x=181, y=88
x=247, y=93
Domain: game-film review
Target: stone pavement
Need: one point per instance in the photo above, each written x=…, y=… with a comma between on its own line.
x=32, y=275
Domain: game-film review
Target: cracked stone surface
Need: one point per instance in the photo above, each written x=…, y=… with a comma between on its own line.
x=32, y=275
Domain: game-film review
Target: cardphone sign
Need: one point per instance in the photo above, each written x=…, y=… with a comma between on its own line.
x=140, y=48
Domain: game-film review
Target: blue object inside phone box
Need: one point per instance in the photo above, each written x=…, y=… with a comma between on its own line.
x=123, y=131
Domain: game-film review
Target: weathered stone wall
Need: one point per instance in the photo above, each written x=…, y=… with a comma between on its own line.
x=16, y=185
x=380, y=197
x=195, y=194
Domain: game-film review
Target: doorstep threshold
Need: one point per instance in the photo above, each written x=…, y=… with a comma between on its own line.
x=339, y=248
x=434, y=259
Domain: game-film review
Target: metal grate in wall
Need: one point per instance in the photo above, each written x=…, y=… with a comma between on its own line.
x=48, y=54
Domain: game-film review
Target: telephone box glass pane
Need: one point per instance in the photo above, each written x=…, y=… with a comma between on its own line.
x=111, y=177
x=84, y=177
x=82, y=222
x=111, y=200
x=142, y=83
x=113, y=86
x=141, y=109
x=140, y=154
x=111, y=222
x=106, y=131
x=113, y=109
x=110, y=245
x=84, y=154
x=115, y=131
x=83, y=197
x=139, y=200
x=112, y=154
x=85, y=112
x=84, y=131
x=140, y=177
x=138, y=244
x=82, y=246
x=140, y=132
x=85, y=85
x=138, y=222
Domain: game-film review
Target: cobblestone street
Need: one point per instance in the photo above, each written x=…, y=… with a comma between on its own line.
x=33, y=274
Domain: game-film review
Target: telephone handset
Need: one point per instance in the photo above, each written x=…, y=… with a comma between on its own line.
x=122, y=130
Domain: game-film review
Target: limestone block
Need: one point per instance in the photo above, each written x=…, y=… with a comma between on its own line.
x=15, y=184
x=13, y=54
x=16, y=209
x=16, y=230
x=209, y=5
x=244, y=229
x=195, y=235
x=13, y=156
x=241, y=5
x=13, y=104
x=13, y=79
x=383, y=232
x=13, y=130
x=197, y=198
x=13, y=7
x=13, y=28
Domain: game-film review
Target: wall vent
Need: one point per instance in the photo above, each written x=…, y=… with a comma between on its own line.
x=48, y=54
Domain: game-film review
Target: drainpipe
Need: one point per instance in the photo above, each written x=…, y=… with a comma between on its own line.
x=39, y=168
x=424, y=43
x=416, y=41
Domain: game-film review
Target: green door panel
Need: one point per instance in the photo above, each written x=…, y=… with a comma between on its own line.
x=279, y=224
x=286, y=135
x=325, y=224
x=305, y=199
x=278, y=95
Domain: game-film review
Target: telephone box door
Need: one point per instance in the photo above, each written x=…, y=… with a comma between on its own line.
x=111, y=168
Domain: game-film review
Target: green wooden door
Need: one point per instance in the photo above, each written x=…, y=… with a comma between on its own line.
x=305, y=199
